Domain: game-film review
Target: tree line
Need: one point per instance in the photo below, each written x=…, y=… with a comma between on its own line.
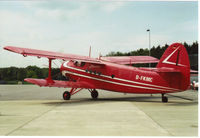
x=18, y=74
x=15, y=74
x=156, y=52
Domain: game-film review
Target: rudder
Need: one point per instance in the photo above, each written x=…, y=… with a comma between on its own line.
x=176, y=57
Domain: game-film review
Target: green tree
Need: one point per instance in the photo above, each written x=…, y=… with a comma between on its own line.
x=31, y=74
x=21, y=74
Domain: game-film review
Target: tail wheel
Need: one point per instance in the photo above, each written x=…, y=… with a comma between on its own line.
x=66, y=95
x=94, y=94
x=164, y=99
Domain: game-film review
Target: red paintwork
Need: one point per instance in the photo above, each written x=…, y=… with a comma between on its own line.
x=130, y=59
x=51, y=55
x=57, y=83
x=170, y=75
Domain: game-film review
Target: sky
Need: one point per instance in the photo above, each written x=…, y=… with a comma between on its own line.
x=73, y=26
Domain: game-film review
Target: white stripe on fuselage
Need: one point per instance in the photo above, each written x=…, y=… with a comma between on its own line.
x=160, y=87
x=118, y=83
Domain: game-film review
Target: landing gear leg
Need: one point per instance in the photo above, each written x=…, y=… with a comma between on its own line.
x=94, y=94
x=164, y=98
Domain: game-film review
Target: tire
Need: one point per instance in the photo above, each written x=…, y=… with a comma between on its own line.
x=164, y=99
x=66, y=95
x=94, y=94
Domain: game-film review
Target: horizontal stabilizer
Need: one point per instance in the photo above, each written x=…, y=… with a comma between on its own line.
x=167, y=70
x=57, y=83
x=162, y=70
x=194, y=72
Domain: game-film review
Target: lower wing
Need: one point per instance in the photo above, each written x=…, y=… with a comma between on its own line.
x=57, y=83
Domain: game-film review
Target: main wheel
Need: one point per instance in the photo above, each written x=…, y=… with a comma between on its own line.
x=164, y=99
x=94, y=94
x=66, y=95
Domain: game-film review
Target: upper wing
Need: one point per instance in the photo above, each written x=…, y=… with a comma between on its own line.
x=130, y=59
x=52, y=55
x=57, y=55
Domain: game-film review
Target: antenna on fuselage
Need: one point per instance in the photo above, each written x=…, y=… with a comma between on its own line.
x=90, y=52
x=100, y=55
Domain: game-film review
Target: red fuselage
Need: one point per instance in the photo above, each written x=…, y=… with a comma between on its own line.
x=121, y=78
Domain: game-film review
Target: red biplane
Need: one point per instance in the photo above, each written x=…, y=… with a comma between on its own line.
x=172, y=73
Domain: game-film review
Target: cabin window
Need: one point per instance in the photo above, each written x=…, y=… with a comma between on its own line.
x=82, y=64
x=93, y=72
x=99, y=73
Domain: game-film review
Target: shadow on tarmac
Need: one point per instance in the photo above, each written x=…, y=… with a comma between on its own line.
x=144, y=99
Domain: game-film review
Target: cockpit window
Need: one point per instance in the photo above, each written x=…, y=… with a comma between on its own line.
x=79, y=63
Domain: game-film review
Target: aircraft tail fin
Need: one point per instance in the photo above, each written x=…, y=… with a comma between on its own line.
x=176, y=57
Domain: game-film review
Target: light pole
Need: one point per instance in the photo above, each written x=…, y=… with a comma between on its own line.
x=148, y=30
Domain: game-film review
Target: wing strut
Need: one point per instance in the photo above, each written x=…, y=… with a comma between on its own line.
x=49, y=79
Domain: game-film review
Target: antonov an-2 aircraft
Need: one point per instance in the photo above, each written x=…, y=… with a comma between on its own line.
x=172, y=73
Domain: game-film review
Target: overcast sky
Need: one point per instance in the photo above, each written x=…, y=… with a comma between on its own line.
x=71, y=27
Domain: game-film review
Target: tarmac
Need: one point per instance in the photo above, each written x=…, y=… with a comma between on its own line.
x=27, y=110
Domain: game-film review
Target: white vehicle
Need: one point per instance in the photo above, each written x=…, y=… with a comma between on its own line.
x=195, y=85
